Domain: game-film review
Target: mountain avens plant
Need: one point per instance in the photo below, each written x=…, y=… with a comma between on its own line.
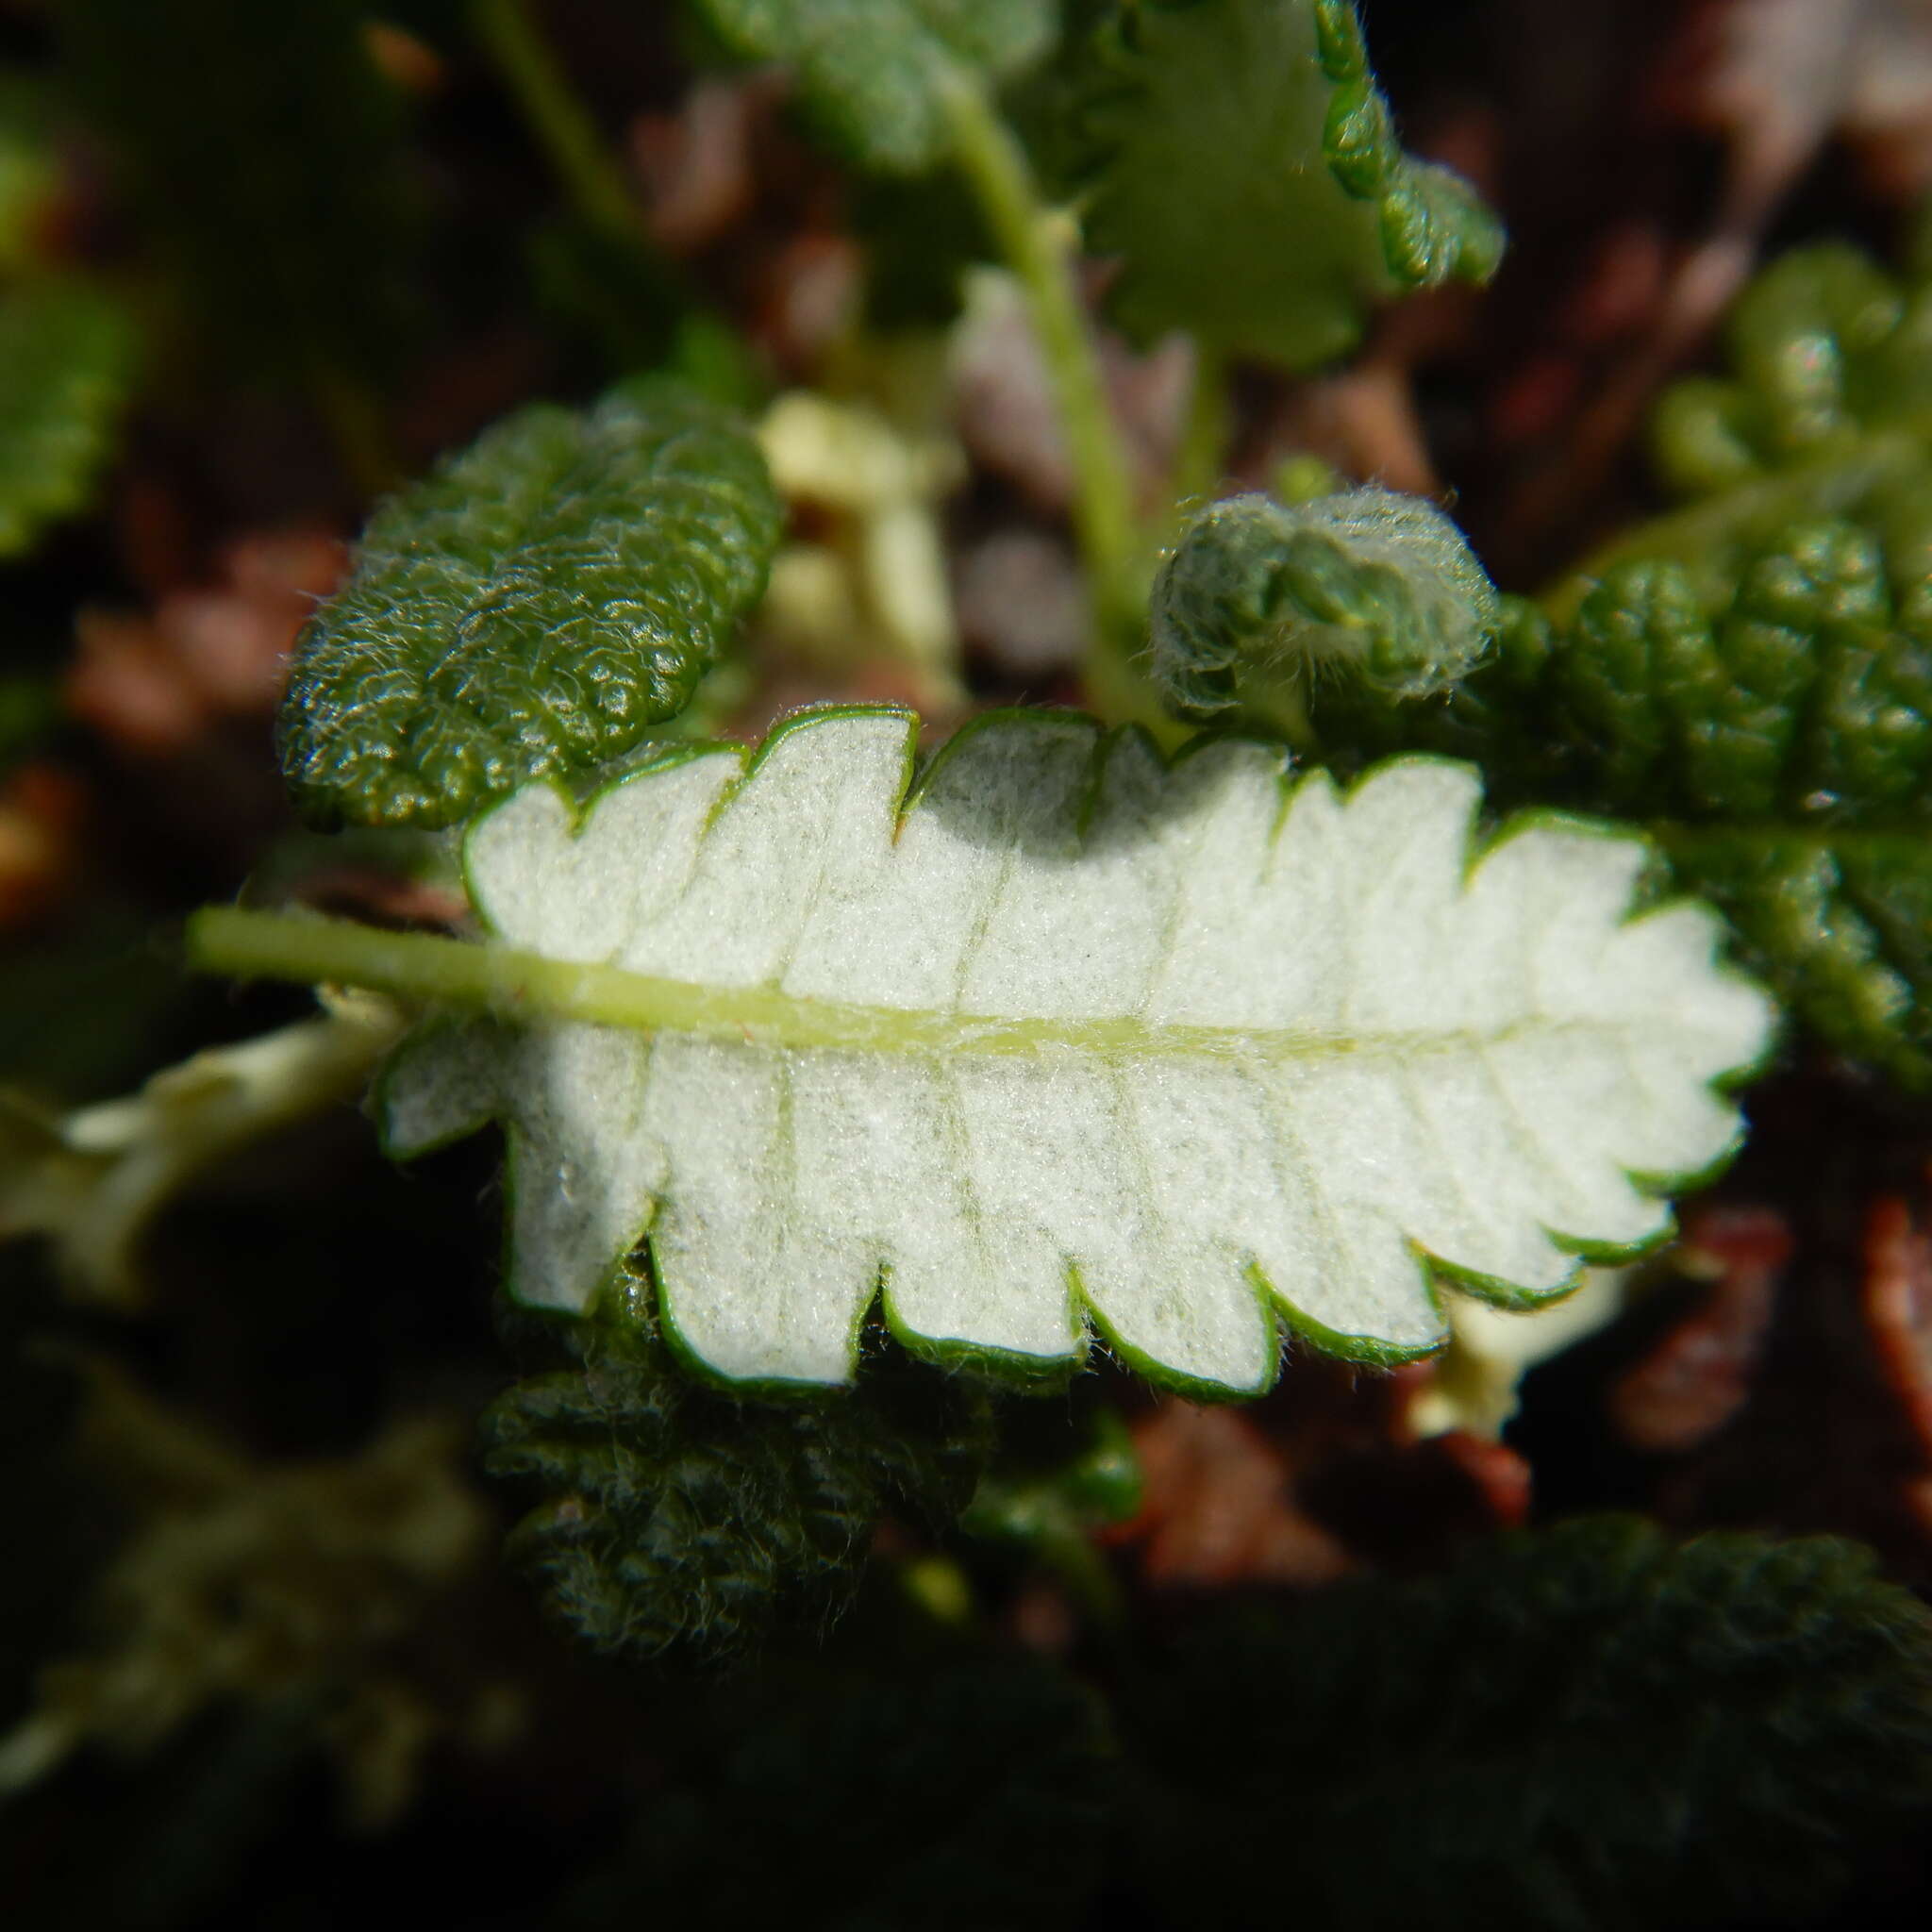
x=994, y=899
x=1062, y=1030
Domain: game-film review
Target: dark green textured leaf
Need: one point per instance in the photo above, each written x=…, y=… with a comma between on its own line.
x=67, y=357
x=294, y=256
x=1775, y=736
x=1752, y=674
x=677, y=1519
x=967, y=1796
x=870, y=72
x=1579, y=1731
x=1257, y=596
x=536, y=605
x=1244, y=166
x=1821, y=344
x=1839, y=922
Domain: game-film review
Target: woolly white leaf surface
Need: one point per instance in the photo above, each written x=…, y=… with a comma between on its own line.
x=1067, y=1035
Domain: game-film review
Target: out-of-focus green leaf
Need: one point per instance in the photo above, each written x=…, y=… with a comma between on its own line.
x=260, y=148
x=1586, y=1730
x=29, y=173
x=538, y=605
x=870, y=73
x=67, y=357
x=1244, y=166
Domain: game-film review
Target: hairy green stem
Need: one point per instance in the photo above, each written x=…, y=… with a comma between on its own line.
x=555, y=117
x=1038, y=246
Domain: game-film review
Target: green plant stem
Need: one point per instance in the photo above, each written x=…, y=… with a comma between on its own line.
x=353, y=419
x=555, y=117
x=1200, y=462
x=1038, y=246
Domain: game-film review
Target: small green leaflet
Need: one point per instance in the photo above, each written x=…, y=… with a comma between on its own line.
x=1063, y=1035
x=1243, y=163
x=67, y=356
x=536, y=606
x=871, y=72
x=1258, y=596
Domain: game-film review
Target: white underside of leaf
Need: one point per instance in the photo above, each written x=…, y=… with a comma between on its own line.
x=1073, y=1035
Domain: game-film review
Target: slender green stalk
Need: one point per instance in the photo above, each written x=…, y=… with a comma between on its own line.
x=1038, y=246
x=1198, y=463
x=353, y=418
x=555, y=116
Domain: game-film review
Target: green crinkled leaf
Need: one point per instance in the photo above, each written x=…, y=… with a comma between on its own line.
x=676, y=1519
x=1827, y=412
x=870, y=72
x=1258, y=597
x=1822, y=344
x=1839, y=922
x=1585, y=1730
x=538, y=605
x=67, y=357
x=1060, y=1037
x=263, y=151
x=1752, y=673
x=1243, y=165
x=1777, y=736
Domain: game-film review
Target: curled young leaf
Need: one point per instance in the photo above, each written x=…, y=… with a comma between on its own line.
x=1061, y=1035
x=871, y=72
x=536, y=606
x=1244, y=166
x=1258, y=595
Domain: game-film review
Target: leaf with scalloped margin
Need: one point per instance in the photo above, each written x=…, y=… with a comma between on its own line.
x=1245, y=165
x=1063, y=1033
x=871, y=71
x=536, y=606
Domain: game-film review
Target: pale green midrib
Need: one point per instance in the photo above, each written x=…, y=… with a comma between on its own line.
x=513, y=984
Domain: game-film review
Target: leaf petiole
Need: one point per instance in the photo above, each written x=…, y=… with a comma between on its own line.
x=555, y=117
x=1039, y=246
